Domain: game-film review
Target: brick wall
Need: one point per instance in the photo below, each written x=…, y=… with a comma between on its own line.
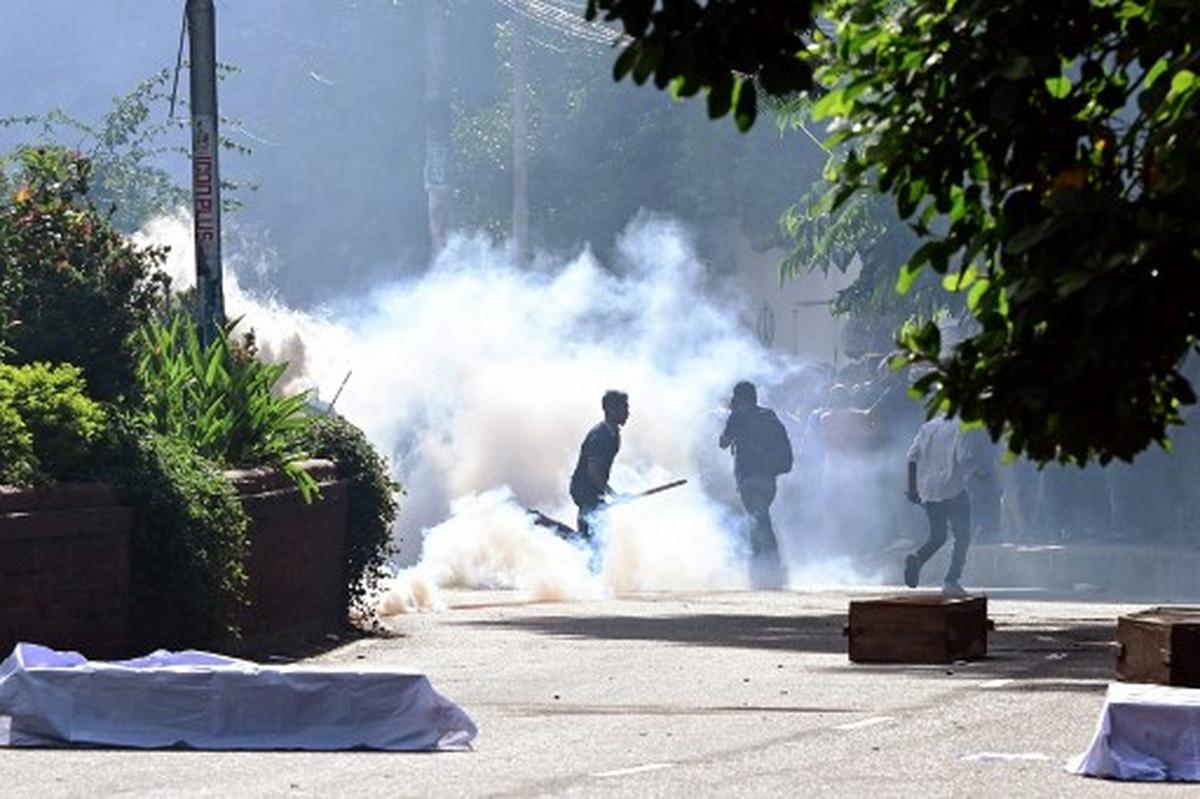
x=65, y=573
x=297, y=555
x=64, y=569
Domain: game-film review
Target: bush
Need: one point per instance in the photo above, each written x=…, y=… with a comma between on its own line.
x=190, y=540
x=221, y=400
x=372, y=501
x=16, y=445
x=72, y=288
x=48, y=425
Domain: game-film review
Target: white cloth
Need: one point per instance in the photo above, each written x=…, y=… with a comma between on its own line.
x=206, y=701
x=945, y=458
x=1145, y=732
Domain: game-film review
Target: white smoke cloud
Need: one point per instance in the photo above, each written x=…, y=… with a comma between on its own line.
x=479, y=381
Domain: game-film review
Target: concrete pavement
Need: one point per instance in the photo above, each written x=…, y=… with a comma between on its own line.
x=715, y=694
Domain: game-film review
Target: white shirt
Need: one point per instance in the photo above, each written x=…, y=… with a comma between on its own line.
x=945, y=458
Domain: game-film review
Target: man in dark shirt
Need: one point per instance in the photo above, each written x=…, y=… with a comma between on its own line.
x=589, y=483
x=755, y=477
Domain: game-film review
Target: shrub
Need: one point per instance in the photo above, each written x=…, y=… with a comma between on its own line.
x=16, y=445
x=48, y=425
x=371, y=500
x=72, y=289
x=190, y=540
x=221, y=400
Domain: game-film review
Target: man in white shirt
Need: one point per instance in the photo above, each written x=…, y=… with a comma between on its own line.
x=940, y=461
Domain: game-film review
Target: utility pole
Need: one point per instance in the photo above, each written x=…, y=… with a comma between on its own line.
x=437, y=125
x=206, y=173
x=520, y=144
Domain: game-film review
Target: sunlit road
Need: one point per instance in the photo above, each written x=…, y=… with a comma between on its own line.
x=736, y=694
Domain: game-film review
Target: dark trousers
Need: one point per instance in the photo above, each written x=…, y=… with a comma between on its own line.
x=586, y=512
x=757, y=493
x=955, y=513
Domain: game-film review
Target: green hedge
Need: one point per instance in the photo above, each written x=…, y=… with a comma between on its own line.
x=72, y=288
x=190, y=541
x=48, y=425
x=372, y=502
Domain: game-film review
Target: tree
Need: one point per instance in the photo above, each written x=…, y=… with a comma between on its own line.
x=72, y=288
x=127, y=149
x=1046, y=155
x=642, y=153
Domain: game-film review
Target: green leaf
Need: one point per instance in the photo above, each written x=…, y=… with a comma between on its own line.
x=684, y=86
x=1058, y=87
x=625, y=61
x=908, y=274
x=1155, y=72
x=976, y=293
x=746, y=104
x=720, y=97
x=1182, y=81
x=959, y=281
x=1130, y=10
x=833, y=104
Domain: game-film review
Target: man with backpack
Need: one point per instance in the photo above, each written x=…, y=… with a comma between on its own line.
x=761, y=452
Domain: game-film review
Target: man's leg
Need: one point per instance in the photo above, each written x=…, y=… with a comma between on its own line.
x=958, y=511
x=936, y=513
x=584, y=520
x=757, y=493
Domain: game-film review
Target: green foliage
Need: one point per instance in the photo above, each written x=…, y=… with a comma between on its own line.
x=221, y=400
x=642, y=154
x=126, y=149
x=864, y=229
x=72, y=289
x=372, y=501
x=728, y=49
x=190, y=540
x=48, y=425
x=16, y=443
x=1048, y=154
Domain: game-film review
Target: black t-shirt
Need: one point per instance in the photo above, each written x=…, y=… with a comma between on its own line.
x=602, y=443
x=746, y=428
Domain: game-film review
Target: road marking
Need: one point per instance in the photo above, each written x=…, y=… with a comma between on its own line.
x=1000, y=683
x=621, y=772
x=871, y=722
x=1004, y=757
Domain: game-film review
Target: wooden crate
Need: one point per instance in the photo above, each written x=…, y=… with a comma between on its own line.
x=918, y=628
x=1160, y=645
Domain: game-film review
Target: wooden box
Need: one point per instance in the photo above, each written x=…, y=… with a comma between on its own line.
x=1160, y=645
x=918, y=628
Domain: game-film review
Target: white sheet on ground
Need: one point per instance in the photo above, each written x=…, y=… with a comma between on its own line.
x=1146, y=732
x=207, y=701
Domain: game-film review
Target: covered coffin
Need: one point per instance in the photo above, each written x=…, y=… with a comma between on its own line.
x=206, y=701
x=1145, y=732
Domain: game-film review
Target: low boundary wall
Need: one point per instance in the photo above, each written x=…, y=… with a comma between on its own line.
x=65, y=568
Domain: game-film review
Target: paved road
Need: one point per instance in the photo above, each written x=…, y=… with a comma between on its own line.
x=725, y=694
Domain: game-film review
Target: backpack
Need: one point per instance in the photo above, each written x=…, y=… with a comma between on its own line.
x=773, y=449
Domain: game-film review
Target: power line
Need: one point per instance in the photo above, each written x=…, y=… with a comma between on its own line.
x=565, y=18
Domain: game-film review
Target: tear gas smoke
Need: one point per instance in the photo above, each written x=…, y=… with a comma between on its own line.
x=479, y=381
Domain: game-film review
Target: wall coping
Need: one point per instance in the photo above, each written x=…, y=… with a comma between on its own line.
x=73, y=495
x=60, y=496
x=266, y=479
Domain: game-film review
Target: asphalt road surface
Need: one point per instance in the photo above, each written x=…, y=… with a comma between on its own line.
x=714, y=694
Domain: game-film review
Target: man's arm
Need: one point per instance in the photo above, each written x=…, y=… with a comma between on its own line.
x=599, y=475
x=727, y=434
x=912, y=494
